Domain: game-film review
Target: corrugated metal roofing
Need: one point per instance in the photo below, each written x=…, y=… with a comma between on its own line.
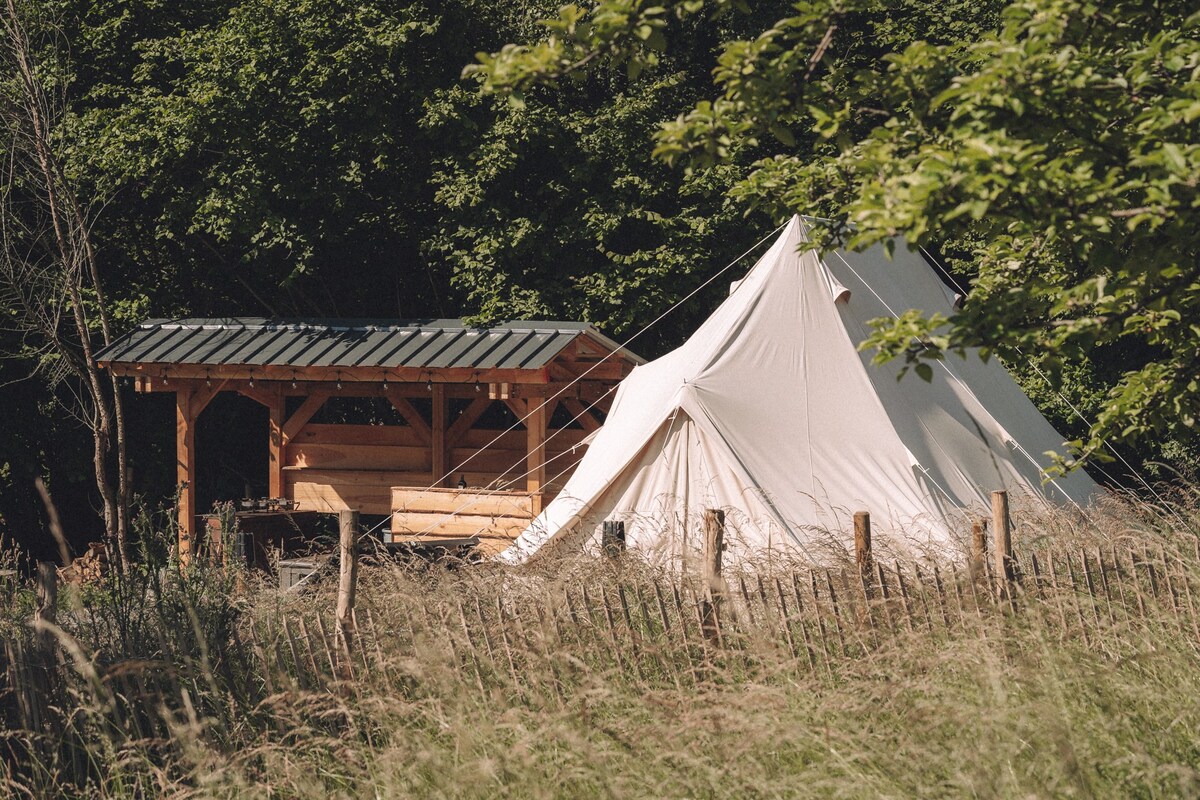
x=426, y=344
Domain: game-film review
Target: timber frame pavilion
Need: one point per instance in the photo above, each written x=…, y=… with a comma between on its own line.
x=408, y=471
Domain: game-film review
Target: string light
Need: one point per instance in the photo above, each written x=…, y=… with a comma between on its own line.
x=293, y=379
x=251, y=380
x=208, y=378
x=339, y=381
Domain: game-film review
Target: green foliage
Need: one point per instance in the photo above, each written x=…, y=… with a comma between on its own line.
x=1064, y=144
x=555, y=208
x=260, y=146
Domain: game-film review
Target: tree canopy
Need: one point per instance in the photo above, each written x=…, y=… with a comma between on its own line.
x=498, y=160
x=1058, y=155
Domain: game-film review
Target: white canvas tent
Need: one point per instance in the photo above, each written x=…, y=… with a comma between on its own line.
x=770, y=412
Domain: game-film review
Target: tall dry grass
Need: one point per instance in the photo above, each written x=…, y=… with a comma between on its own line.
x=586, y=678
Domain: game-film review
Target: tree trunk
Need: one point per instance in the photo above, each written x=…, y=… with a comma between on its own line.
x=78, y=266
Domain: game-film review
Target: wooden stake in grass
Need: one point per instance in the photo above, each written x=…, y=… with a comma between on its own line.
x=348, y=583
x=1006, y=571
x=612, y=538
x=714, y=584
x=978, y=549
x=862, y=550
x=47, y=603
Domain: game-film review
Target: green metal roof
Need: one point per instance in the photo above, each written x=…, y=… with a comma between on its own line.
x=425, y=344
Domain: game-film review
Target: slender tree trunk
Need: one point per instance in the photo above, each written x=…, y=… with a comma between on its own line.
x=79, y=265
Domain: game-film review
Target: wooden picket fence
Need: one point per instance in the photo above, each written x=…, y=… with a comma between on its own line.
x=626, y=624
x=540, y=641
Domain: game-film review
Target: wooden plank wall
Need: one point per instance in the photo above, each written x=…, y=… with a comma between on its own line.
x=331, y=468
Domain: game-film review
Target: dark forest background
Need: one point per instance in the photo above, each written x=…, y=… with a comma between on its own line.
x=321, y=158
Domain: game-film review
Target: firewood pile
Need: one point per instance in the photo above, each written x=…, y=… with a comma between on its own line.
x=89, y=567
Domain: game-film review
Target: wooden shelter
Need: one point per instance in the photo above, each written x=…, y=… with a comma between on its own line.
x=441, y=376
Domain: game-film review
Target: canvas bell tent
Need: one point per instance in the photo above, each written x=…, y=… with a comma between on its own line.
x=770, y=412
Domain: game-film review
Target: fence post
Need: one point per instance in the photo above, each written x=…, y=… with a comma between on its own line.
x=612, y=538
x=47, y=602
x=714, y=584
x=348, y=583
x=1005, y=564
x=979, y=546
x=862, y=549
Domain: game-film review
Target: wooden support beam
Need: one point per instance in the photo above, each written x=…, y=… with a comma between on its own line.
x=185, y=472
x=582, y=415
x=282, y=373
x=587, y=389
x=411, y=415
x=276, y=455
x=518, y=406
x=263, y=394
x=311, y=405
x=535, y=465
x=203, y=395
x=469, y=417
x=440, y=453
x=611, y=369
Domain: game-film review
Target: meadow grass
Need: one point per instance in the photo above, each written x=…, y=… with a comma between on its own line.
x=565, y=682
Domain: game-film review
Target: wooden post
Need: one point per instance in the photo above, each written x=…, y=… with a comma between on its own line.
x=214, y=539
x=47, y=602
x=275, y=449
x=185, y=457
x=862, y=548
x=714, y=584
x=535, y=436
x=1005, y=564
x=978, y=549
x=612, y=538
x=440, y=454
x=348, y=583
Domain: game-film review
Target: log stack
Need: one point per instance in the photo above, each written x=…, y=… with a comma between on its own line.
x=87, y=568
